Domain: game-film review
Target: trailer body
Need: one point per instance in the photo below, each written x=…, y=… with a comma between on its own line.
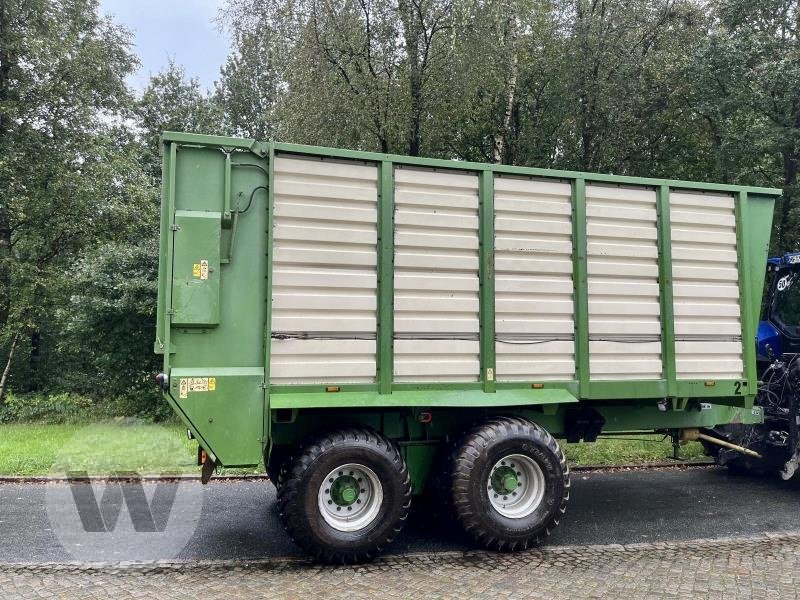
x=300, y=287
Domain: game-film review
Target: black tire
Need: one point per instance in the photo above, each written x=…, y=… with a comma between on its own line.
x=479, y=452
x=298, y=495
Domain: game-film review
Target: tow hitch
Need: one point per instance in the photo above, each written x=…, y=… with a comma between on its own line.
x=694, y=435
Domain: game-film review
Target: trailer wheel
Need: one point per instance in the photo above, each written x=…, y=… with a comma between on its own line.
x=346, y=496
x=510, y=484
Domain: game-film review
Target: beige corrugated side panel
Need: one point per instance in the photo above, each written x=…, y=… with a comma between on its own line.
x=534, y=306
x=624, y=304
x=324, y=272
x=436, y=303
x=705, y=284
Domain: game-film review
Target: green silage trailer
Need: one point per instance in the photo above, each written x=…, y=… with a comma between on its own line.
x=365, y=323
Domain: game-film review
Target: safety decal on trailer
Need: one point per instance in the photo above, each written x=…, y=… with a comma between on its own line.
x=200, y=270
x=197, y=384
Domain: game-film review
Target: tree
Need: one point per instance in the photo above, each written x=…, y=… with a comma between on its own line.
x=62, y=93
x=106, y=323
x=748, y=92
x=173, y=102
x=248, y=88
x=355, y=73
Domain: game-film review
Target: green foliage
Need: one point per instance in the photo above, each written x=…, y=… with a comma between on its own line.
x=173, y=102
x=71, y=407
x=111, y=292
x=55, y=408
x=248, y=90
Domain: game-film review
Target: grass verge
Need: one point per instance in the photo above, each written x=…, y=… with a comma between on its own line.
x=149, y=448
x=628, y=450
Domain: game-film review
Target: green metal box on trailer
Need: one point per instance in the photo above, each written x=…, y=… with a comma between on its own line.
x=389, y=311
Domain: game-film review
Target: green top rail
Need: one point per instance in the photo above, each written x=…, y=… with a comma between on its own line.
x=262, y=149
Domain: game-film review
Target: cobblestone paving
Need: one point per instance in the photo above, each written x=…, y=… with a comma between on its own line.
x=763, y=567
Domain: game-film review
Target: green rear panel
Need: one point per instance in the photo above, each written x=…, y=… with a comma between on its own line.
x=195, y=271
x=213, y=328
x=214, y=311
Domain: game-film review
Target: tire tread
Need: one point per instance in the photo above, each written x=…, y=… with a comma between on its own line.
x=289, y=490
x=473, y=445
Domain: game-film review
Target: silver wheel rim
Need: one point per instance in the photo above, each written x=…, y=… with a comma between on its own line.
x=350, y=497
x=516, y=486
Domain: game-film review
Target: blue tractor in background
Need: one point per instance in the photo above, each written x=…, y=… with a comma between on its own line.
x=777, y=440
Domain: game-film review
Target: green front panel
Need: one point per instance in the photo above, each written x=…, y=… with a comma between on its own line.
x=195, y=270
x=757, y=229
x=225, y=405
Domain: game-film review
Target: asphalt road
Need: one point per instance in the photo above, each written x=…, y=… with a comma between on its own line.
x=238, y=519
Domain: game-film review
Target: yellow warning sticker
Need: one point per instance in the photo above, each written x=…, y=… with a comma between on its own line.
x=203, y=269
x=196, y=270
x=197, y=384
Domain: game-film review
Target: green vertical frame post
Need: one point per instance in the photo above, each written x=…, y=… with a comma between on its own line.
x=580, y=284
x=665, y=290
x=226, y=206
x=385, y=331
x=746, y=309
x=486, y=274
x=267, y=438
x=170, y=213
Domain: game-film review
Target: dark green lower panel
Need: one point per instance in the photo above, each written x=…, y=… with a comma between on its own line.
x=224, y=408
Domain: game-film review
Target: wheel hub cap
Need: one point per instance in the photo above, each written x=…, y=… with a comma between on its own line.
x=350, y=497
x=504, y=480
x=516, y=486
x=344, y=490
